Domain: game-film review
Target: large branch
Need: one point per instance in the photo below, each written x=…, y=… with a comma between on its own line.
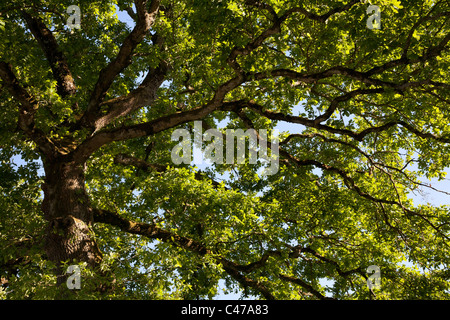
x=128, y=160
x=145, y=19
x=431, y=52
x=152, y=231
x=166, y=122
x=124, y=105
x=236, y=271
x=324, y=17
x=58, y=63
x=346, y=176
x=362, y=76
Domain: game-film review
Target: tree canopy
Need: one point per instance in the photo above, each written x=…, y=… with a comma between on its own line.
x=90, y=113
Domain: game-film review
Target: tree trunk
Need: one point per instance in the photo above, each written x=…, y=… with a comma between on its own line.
x=66, y=207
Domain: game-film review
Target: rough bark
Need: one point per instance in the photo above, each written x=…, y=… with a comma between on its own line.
x=58, y=63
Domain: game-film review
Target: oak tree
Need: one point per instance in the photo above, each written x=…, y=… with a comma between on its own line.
x=87, y=176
